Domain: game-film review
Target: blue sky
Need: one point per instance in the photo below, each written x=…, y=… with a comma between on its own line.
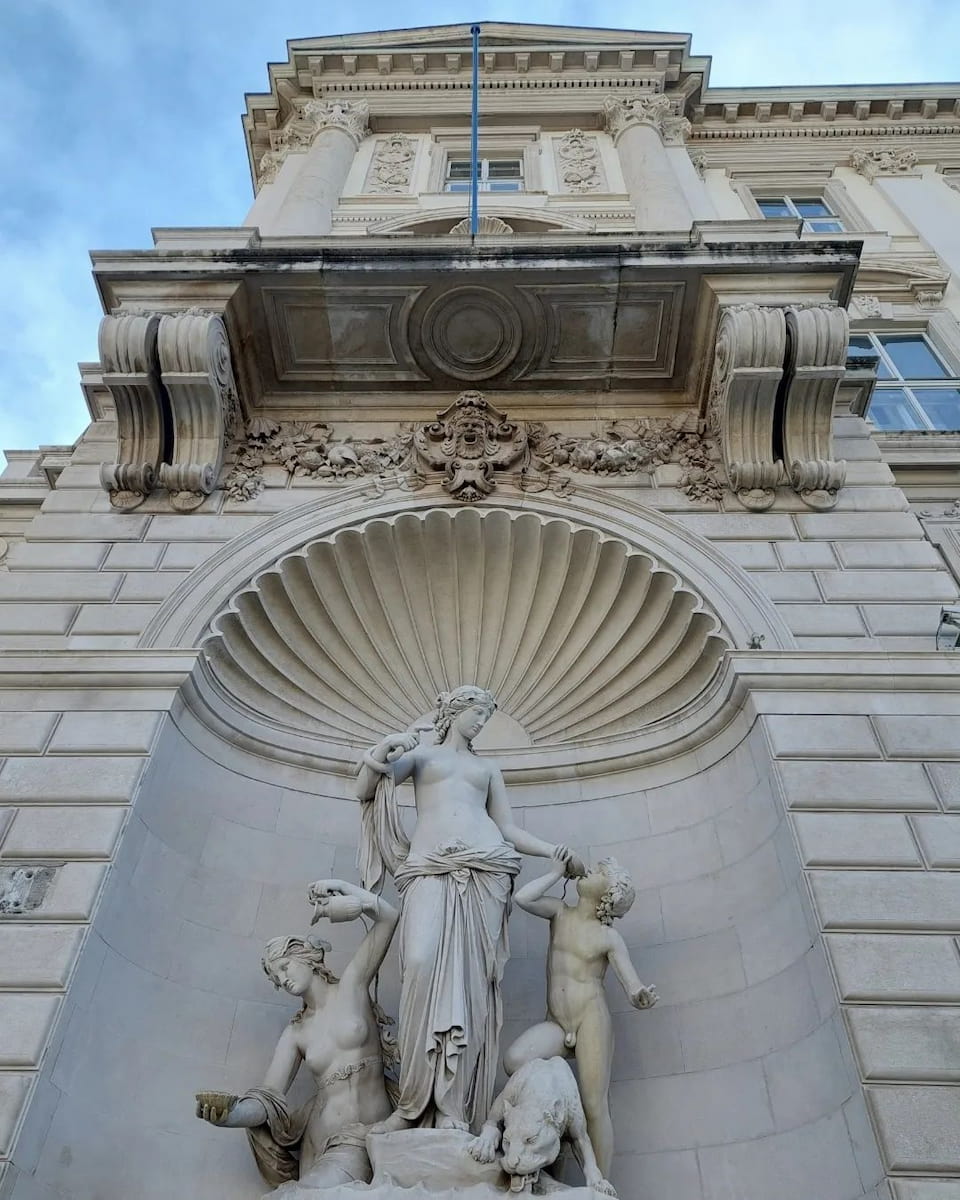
x=118, y=115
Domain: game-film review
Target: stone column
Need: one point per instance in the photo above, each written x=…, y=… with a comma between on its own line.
x=322, y=142
x=641, y=127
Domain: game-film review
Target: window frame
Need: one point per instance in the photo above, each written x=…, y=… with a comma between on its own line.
x=814, y=185
x=521, y=143
x=944, y=350
x=790, y=202
x=484, y=181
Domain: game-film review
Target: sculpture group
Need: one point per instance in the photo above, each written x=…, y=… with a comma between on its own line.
x=422, y=1104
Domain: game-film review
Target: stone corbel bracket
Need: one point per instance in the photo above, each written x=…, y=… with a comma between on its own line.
x=775, y=379
x=747, y=375
x=172, y=382
x=817, y=339
x=197, y=377
x=128, y=355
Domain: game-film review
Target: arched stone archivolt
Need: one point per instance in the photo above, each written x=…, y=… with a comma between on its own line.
x=598, y=633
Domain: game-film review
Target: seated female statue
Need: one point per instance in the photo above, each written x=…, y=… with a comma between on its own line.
x=338, y=1035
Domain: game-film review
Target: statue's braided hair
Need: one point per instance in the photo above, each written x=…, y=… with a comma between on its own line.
x=451, y=703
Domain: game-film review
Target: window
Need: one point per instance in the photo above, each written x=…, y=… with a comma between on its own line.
x=816, y=214
x=494, y=175
x=915, y=389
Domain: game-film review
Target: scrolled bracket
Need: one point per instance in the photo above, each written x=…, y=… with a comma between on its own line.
x=817, y=338
x=197, y=377
x=741, y=409
x=128, y=355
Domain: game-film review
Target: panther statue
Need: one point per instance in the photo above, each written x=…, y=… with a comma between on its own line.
x=539, y=1106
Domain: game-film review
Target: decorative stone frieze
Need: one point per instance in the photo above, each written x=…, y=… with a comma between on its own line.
x=391, y=169
x=128, y=356
x=172, y=382
x=868, y=306
x=22, y=888
x=470, y=442
x=747, y=371
x=871, y=163
x=776, y=374
x=579, y=164
x=817, y=340
x=699, y=160
x=313, y=116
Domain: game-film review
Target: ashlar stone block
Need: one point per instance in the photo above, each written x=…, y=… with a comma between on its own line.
x=906, y=1042
x=895, y=967
x=919, y=737
x=105, y=732
x=25, y=732
x=37, y=956
x=939, y=839
x=917, y=1127
x=856, y=785
x=855, y=839
x=80, y=831
x=821, y=736
x=887, y=585
x=14, y=1089
x=25, y=1023
x=61, y=779
x=894, y=900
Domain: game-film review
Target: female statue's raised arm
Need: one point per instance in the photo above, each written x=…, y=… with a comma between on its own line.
x=366, y=962
x=394, y=754
x=498, y=806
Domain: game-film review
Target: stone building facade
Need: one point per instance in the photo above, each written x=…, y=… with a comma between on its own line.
x=668, y=457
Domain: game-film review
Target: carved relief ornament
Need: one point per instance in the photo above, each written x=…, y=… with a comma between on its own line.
x=871, y=163
x=470, y=442
x=392, y=167
x=313, y=116
x=623, y=112
x=776, y=374
x=172, y=383
x=579, y=163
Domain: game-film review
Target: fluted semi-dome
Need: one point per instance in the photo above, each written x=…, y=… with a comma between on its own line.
x=581, y=637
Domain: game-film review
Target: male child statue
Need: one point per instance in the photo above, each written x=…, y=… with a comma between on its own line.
x=582, y=945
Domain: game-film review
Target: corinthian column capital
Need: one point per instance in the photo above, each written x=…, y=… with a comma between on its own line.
x=623, y=112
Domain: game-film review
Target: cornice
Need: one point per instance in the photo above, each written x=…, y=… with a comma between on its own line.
x=740, y=132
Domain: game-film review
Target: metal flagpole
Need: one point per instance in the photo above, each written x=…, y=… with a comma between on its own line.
x=475, y=138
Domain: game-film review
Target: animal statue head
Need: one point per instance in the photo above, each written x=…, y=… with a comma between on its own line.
x=531, y=1139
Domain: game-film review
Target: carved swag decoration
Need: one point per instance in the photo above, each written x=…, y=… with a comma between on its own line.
x=470, y=442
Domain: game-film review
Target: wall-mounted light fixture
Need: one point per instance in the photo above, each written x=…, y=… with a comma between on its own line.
x=948, y=631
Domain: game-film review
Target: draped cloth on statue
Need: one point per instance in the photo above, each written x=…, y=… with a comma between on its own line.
x=453, y=948
x=275, y=1144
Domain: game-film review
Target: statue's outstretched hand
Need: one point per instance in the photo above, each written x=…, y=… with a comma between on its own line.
x=214, y=1107
x=644, y=997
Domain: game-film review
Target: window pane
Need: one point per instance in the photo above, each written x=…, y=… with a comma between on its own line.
x=458, y=168
x=506, y=169
x=830, y=225
x=504, y=185
x=942, y=406
x=774, y=208
x=913, y=357
x=891, y=408
x=458, y=187
x=861, y=344
x=811, y=208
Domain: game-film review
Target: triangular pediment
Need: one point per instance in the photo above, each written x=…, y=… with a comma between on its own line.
x=506, y=35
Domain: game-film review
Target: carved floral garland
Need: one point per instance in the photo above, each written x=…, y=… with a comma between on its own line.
x=543, y=460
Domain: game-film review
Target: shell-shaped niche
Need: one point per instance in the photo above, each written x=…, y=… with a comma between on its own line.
x=581, y=637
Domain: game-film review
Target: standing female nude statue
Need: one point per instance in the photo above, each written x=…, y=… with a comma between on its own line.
x=337, y=1034
x=455, y=878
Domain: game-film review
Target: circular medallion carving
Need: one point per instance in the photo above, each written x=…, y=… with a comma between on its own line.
x=471, y=333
